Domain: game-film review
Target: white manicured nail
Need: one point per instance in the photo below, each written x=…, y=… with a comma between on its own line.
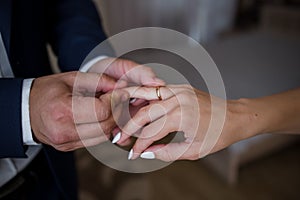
x=130, y=154
x=132, y=100
x=116, y=138
x=148, y=155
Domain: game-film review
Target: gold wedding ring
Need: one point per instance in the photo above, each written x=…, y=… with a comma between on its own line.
x=158, y=94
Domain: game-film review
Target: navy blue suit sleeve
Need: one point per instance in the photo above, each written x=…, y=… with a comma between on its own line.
x=75, y=29
x=11, y=141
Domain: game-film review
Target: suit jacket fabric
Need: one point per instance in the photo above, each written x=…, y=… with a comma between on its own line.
x=73, y=29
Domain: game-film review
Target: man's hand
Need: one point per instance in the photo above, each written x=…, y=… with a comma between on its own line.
x=127, y=71
x=67, y=112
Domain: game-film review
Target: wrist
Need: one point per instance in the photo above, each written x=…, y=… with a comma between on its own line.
x=255, y=117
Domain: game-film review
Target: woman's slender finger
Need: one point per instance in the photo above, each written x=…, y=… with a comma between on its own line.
x=147, y=115
x=155, y=132
x=150, y=93
x=153, y=93
x=167, y=152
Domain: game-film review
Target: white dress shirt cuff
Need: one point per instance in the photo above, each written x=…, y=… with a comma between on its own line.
x=88, y=65
x=26, y=127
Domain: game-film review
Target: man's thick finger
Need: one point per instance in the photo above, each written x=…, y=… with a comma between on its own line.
x=131, y=72
x=142, y=75
x=93, y=83
x=92, y=109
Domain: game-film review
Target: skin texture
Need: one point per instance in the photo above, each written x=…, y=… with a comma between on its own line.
x=187, y=109
x=72, y=110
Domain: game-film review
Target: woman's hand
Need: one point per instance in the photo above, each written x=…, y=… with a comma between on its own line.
x=209, y=123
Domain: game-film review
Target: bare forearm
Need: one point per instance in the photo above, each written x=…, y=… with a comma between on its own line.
x=279, y=113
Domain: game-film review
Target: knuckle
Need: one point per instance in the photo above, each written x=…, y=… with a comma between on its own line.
x=143, y=111
x=148, y=70
x=56, y=138
x=103, y=108
x=103, y=77
x=183, y=97
x=103, y=113
x=60, y=148
x=141, y=118
x=64, y=148
x=144, y=135
x=141, y=121
x=71, y=76
x=61, y=137
x=142, y=144
x=60, y=112
x=144, y=91
x=105, y=131
x=132, y=64
x=188, y=88
x=193, y=157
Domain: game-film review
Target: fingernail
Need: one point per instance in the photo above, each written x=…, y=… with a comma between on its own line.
x=130, y=154
x=148, y=155
x=116, y=138
x=132, y=100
